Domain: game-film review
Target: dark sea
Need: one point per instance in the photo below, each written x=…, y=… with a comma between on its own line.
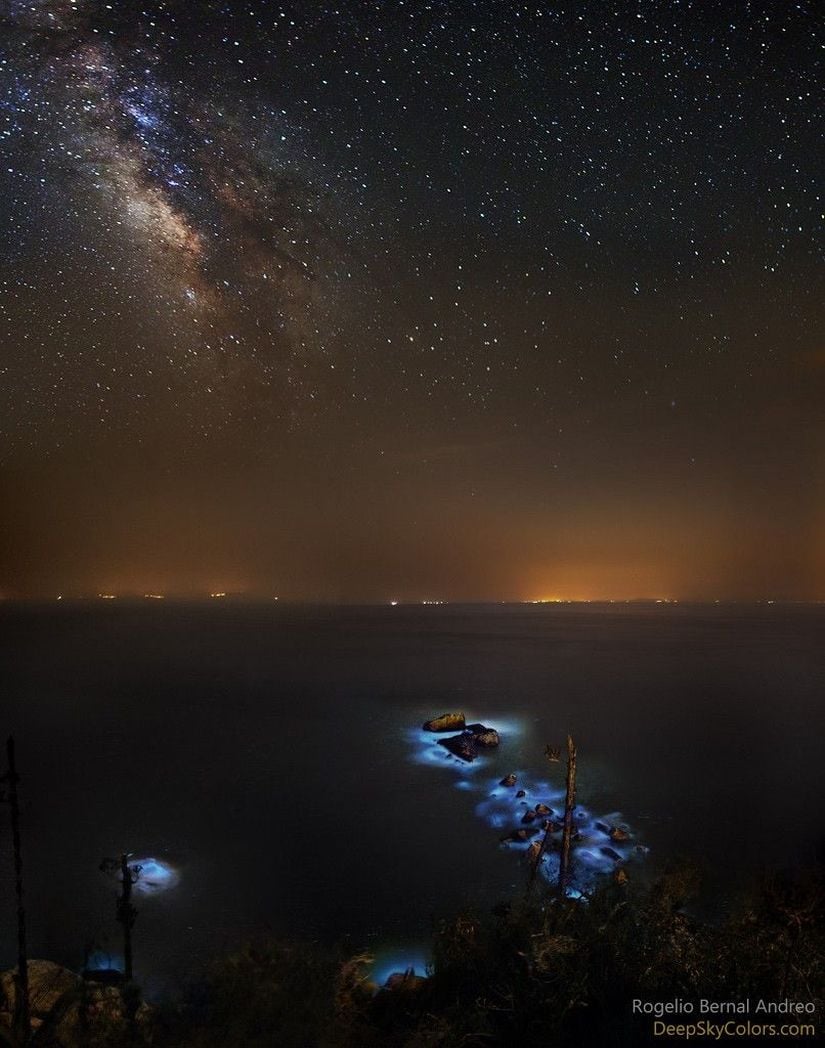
x=267, y=758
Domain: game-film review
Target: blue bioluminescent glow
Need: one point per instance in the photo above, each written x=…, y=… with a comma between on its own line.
x=101, y=961
x=425, y=748
x=155, y=876
x=531, y=811
x=399, y=959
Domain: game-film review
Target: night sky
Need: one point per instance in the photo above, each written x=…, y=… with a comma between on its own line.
x=412, y=300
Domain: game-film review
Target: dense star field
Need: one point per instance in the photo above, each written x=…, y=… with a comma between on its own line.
x=416, y=300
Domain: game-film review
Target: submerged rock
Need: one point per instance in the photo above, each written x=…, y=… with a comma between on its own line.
x=519, y=836
x=508, y=780
x=407, y=981
x=521, y=793
x=542, y=809
x=446, y=722
x=619, y=834
x=529, y=816
x=611, y=853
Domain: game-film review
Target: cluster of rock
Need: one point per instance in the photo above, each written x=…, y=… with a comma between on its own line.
x=472, y=740
x=540, y=817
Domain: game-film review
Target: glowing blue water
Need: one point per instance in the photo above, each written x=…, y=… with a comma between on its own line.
x=595, y=851
x=394, y=959
x=155, y=876
x=265, y=754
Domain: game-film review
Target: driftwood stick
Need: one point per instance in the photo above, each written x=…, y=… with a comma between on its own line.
x=569, y=804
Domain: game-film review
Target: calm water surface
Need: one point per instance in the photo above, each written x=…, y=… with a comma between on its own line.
x=264, y=751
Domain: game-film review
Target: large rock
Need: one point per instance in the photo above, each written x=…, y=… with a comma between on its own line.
x=474, y=738
x=461, y=746
x=49, y=984
x=73, y=1012
x=446, y=722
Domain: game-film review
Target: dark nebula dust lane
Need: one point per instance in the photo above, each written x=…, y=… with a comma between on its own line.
x=416, y=301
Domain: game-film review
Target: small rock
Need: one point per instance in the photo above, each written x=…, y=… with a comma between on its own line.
x=446, y=722
x=519, y=836
x=521, y=793
x=618, y=834
x=487, y=738
x=529, y=816
x=619, y=876
x=542, y=809
x=508, y=780
x=611, y=854
x=533, y=852
x=407, y=981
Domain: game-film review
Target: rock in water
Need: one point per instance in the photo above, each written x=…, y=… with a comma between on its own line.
x=542, y=809
x=529, y=816
x=446, y=722
x=467, y=745
x=519, y=836
x=619, y=834
x=533, y=852
x=407, y=982
x=460, y=746
x=487, y=738
x=508, y=780
x=520, y=794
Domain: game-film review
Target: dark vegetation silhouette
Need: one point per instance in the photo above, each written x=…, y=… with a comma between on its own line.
x=544, y=969
x=8, y=792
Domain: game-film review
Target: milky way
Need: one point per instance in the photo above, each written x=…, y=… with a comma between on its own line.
x=503, y=255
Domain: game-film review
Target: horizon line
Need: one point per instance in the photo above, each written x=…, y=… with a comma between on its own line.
x=236, y=597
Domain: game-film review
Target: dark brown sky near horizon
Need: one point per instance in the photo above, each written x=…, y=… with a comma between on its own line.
x=421, y=302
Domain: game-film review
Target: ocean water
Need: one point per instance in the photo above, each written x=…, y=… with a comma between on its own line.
x=267, y=758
